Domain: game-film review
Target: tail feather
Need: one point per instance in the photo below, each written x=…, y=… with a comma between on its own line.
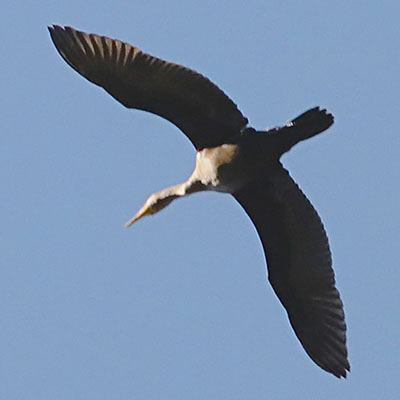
x=306, y=125
x=311, y=122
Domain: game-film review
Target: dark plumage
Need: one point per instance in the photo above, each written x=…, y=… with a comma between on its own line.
x=236, y=159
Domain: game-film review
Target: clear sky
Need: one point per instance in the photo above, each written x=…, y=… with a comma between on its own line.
x=178, y=306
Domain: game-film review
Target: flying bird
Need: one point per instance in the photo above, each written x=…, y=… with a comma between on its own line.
x=234, y=158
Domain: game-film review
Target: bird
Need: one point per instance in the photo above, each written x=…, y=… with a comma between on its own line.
x=234, y=158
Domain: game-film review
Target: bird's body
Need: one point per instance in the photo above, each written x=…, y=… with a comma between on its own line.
x=233, y=158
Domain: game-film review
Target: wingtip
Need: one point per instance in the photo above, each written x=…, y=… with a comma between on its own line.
x=339, y=371
x=51, y=29
x=343, y=374
x=54, y=27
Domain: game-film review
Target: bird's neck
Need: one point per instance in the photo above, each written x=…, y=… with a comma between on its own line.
x=192, y=185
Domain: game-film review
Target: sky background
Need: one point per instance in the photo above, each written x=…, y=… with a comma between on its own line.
x=178, y=306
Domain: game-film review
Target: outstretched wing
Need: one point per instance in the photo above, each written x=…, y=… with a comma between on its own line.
x=299, y=266
x=138, y=80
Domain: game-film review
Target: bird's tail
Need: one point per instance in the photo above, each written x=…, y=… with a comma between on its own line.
x=306, y=125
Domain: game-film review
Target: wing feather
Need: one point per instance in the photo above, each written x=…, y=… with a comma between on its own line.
x=138, y=80
x=299, y=266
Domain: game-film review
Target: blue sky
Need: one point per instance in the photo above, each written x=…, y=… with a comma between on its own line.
x=178, y=306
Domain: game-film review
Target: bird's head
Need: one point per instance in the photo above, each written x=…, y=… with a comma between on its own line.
x=155, y=203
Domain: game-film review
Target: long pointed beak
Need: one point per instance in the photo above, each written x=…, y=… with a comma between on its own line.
x=140, y=214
